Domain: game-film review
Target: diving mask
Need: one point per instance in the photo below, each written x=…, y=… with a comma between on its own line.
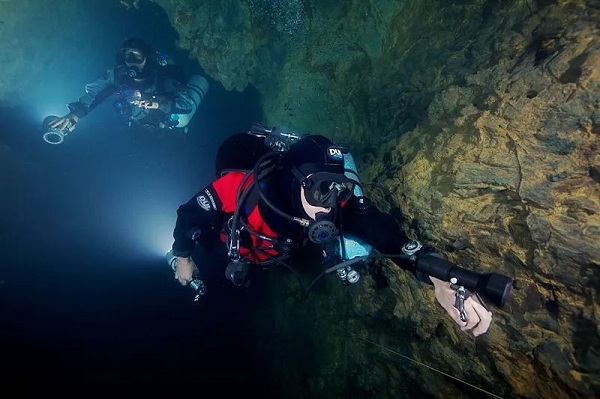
x=327, y=189
x=133, y=56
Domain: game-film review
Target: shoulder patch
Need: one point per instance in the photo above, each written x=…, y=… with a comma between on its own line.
x=206, y=201
x=335, y=153
x=203, y=202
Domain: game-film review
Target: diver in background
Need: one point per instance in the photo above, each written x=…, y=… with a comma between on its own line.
x=147, y=89
x=270, y=209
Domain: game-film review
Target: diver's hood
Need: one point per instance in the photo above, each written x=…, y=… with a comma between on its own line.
x=133, y=43
x=132, y=74
x=313, y=163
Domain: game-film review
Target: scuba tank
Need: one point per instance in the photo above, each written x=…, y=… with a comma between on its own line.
x=352, y=246
x=197, y=86
x=347, y=246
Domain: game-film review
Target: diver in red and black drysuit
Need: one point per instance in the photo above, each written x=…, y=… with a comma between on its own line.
x=267, y=210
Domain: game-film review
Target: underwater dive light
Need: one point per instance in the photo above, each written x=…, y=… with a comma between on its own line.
x=196, y=284
x=493, y=286
x=52, y=135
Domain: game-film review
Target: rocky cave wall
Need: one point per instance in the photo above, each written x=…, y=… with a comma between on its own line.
x=479, y=121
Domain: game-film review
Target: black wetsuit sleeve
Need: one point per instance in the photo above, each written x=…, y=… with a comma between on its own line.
x=364, y=220
x=198, y=215
x=95, y=93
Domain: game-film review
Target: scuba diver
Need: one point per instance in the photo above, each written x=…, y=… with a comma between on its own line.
x=304, y=190
x=147, y=88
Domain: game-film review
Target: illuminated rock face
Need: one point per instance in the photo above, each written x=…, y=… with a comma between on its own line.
x=481, y=123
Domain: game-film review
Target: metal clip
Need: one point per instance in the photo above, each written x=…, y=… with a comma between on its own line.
x=461, y=294
x=234, y=245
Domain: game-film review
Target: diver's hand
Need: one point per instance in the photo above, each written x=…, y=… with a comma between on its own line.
x=66, y=123
x=185, y=270
x=478, y=317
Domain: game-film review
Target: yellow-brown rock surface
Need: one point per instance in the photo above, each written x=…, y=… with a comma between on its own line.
x=480, y=122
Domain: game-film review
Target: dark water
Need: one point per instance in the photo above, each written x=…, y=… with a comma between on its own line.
x=86, y=296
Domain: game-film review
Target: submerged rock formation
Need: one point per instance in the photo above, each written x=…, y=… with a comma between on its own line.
x=479, y=123
x=475, y=123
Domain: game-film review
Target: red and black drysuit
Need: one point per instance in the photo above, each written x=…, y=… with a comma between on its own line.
x=211, y=208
